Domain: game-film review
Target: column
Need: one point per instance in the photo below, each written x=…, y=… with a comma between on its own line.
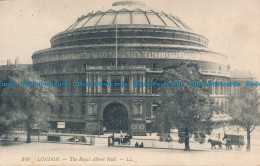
x=135, y=78
x=90, y=81
x=141, y=80
x=99, y=88
x=122, y=87
x=144, y=90
x=87, y=79
x=94, y=83
x=108, y=81
x=131, y=83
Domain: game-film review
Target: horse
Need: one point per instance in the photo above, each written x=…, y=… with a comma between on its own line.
x=16, y=139
x=214, y=143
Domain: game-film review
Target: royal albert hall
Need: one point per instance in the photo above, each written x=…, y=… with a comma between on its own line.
x=125, y=44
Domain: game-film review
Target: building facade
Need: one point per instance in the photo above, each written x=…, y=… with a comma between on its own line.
x=123, y=45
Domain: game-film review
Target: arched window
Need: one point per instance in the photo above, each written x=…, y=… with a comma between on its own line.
x=225, y=106
x=83, y=109
x=222, y=107
x=72, y=89
x=60, y=88
x=221, y=90
x=210, y=88
x=52, y=109
x=217, y=106
x=60, y=110
x=216, y=90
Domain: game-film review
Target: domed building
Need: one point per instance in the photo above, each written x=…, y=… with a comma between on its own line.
x=123, y=45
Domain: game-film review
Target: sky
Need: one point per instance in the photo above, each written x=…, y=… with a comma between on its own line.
x=232, y=26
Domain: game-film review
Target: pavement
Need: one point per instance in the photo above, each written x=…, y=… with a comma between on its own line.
x=75, y=154
x=41, y=153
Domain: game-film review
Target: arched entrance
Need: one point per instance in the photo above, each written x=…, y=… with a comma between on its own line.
x=115, y=118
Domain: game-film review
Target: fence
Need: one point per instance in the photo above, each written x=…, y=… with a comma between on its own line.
x=79, y=139
x=54, y=137
x=103, y=140
x=157, y=144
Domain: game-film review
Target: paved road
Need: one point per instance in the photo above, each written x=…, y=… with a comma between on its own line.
x=71, y=154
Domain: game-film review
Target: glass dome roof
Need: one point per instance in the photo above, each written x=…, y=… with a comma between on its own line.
x=129, y=17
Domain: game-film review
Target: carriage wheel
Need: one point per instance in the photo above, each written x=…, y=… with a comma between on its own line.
x=239, y=147
x=228, y=146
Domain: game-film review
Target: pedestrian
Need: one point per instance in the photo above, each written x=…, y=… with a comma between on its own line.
x=85, y=136
x=141, y=145
x=121, y=136
x=113, y=139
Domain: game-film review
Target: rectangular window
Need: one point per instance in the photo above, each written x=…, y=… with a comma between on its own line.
x=83, y=90
x=60, y=88
x=83, y=109
x=115, y=80
x=154, y=66
x=211, y=90
x=71, y=88
x=138, y=80
x=104, y=80
x=92, y=109
x=216, y=90
x=119, y=64
x=95, y=87
x=91, y=80
x=70, y=109
x=126, y=81
x=84, y=66
x=60, y=111
x=138, y=109
x=154, y=108
x=52, y=109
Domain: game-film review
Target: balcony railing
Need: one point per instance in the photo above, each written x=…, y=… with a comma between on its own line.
x=215, y=72
x=150, y=70
x=114, y=67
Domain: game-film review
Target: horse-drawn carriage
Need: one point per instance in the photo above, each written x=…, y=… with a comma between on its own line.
x=237, y=140
x=166, y=138
x=121, y=139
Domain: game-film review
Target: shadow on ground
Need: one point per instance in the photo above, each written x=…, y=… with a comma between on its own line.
x=10, y=143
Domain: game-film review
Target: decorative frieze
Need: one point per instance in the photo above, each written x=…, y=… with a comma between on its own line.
x=144, y=54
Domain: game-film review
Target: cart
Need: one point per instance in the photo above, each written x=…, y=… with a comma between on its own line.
x=236, y=140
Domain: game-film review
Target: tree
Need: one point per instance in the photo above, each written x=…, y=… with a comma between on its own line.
x=5, y=125
x=187, y=108
x=27, y=105
x=244, y=110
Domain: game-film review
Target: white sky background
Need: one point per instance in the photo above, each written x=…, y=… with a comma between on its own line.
x=232, y=26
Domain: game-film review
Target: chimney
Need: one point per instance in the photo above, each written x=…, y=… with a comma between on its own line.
x=17, y=61
x=9, y=63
